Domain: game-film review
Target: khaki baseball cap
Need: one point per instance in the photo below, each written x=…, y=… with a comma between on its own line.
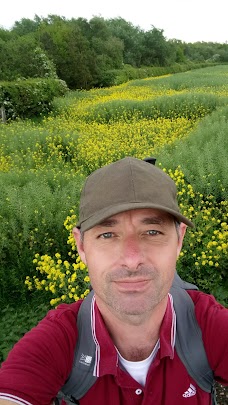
x=125, y=185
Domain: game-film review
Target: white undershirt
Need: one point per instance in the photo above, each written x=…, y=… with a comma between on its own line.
x=139, y=369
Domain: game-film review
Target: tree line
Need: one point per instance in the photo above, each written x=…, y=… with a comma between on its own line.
x=85, y=54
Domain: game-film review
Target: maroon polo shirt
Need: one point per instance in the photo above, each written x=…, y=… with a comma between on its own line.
x=41, y=361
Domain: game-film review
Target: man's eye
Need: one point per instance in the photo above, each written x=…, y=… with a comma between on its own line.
x=106, y=235
x=153, y=232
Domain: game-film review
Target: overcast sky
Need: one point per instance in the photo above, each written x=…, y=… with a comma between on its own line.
x=187, y=20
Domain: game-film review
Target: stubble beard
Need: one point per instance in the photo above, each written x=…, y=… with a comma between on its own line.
x=132, y=304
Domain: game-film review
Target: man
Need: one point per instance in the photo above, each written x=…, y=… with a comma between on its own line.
x=130, y=233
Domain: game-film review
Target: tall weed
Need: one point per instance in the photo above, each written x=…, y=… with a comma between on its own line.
x=203, y=155
x=33, y=209
x=191, y=106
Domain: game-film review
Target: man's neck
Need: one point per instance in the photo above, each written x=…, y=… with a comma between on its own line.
x=134, y=337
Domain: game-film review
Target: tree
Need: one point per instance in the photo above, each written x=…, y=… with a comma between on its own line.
x=176, y=51
x=70, y=51
x=20, y=53
x=132, y=38
x=156, y=51
x=108, y=50
x=25, y=26
x=22, y=57
x=4, y=71
x=5, y=35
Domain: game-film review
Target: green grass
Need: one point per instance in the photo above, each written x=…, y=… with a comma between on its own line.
x=203, y=155
x=208, y=79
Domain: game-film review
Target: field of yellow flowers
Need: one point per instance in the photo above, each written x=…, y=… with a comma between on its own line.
x=43, y=164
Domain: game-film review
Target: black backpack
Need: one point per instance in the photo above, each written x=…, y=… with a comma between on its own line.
x=189, y=346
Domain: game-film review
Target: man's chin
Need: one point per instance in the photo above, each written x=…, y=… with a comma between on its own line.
x=131, y=306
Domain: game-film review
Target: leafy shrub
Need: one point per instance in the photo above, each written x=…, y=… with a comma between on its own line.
x=29, y=98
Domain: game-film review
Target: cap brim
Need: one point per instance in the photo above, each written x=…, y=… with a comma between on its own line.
x=116, y=209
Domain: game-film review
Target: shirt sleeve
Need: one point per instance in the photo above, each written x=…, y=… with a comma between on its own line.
x=39, y=364
x=213, y=320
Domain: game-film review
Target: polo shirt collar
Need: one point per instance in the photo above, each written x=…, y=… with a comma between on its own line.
x=107, y=357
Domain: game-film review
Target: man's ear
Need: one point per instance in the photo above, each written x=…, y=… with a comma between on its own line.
x=79, y=243
x=181, y=232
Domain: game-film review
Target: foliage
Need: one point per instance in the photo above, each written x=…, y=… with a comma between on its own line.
x=155, y=48
x=14, y=323
x=131, y=37
x=128, y=72
x=29, y=98
x=198, y=81
x=203, y=259
x=203, y=155
x=17, y=58
x=70, y=51
x=25, y=26
x=203, y=51
x=45, y=67
x=94, y=53
x=68, y=279
x=82, y=51
x=33, y=208
x=43, y=165
x=190, y=106
x=23, y=57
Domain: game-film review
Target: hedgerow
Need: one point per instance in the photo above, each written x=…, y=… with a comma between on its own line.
x=26, y=98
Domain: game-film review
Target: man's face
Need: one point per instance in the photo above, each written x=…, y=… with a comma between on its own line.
x=131, y=259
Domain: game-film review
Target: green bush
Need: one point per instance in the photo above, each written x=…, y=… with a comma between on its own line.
x=29, y=98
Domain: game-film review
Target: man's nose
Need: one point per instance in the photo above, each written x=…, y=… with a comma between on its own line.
x=131, y=253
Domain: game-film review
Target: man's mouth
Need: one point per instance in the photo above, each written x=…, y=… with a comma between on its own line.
x=132, y=285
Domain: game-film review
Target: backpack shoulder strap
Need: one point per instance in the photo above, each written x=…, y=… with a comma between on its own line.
x=82, y=375
x=189, y=345
x=189, y=342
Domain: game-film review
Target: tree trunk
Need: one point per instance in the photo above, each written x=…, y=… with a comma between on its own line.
x=3, y=115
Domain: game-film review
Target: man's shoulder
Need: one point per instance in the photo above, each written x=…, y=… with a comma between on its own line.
x=64, y=311
x=210, y=314
x=64, y=316
x=59, y=325
x=213, y=321
x=205, y=301
x=43, y=357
